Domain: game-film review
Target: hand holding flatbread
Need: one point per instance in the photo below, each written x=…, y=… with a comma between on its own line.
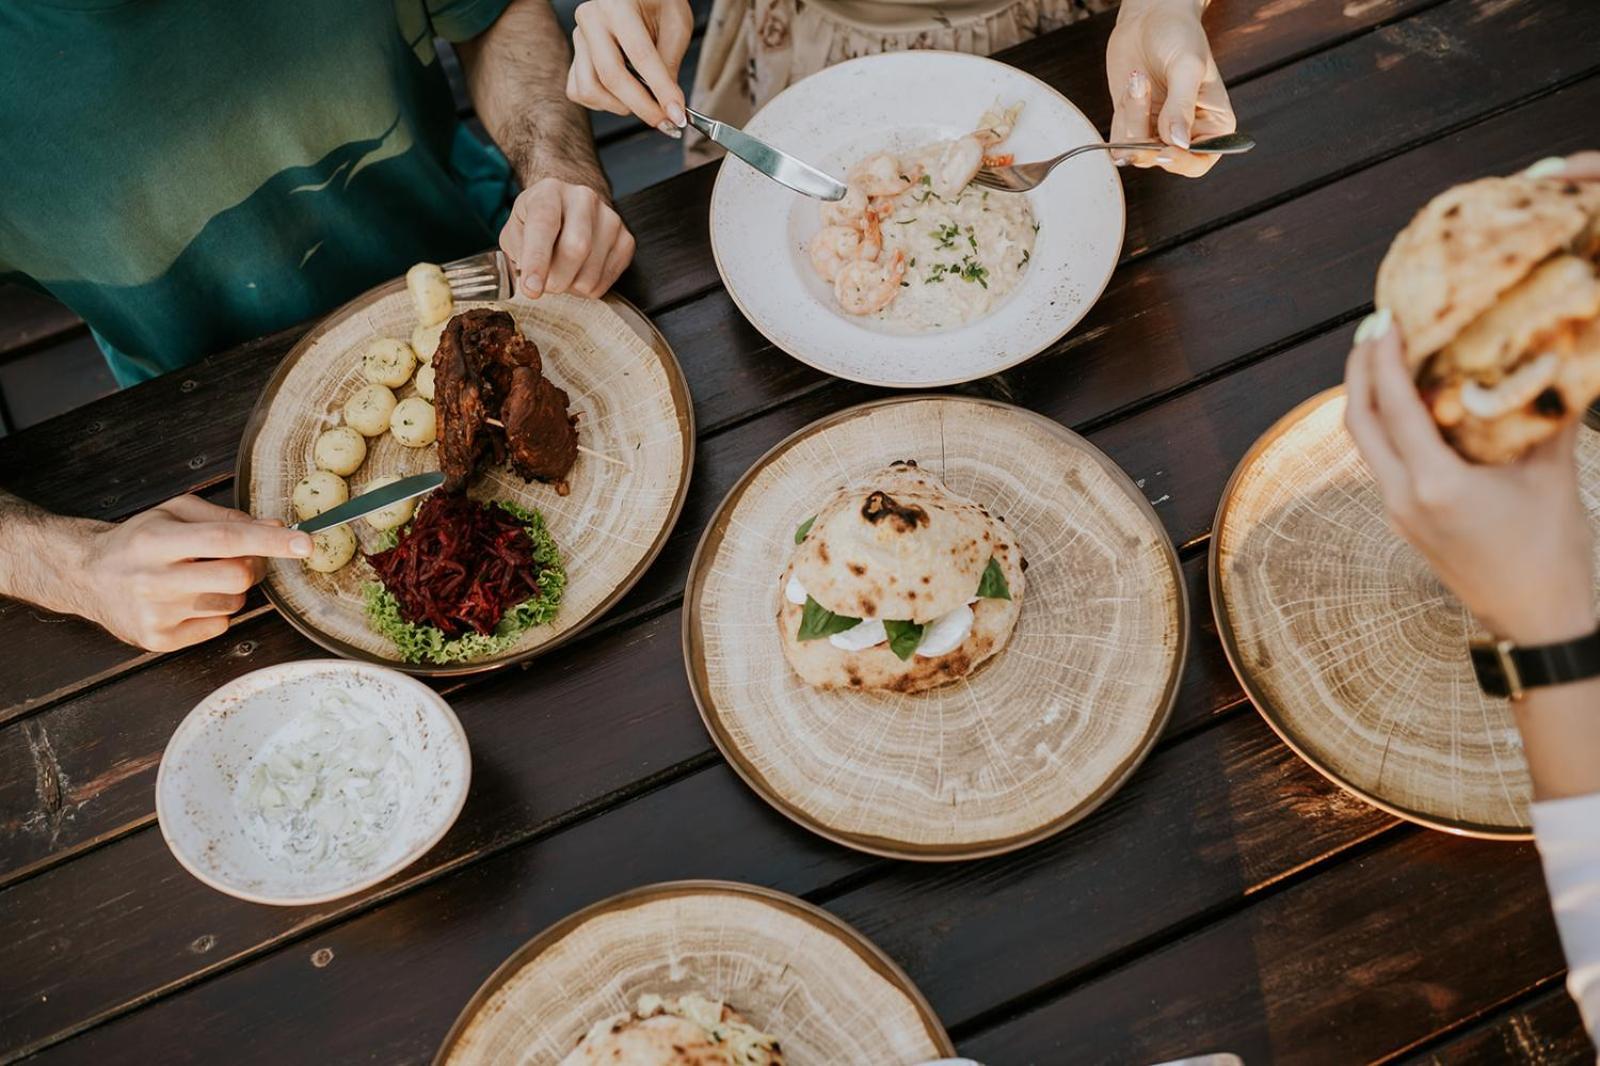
x=1495, y=288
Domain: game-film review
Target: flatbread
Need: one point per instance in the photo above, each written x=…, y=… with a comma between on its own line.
x=1468, y=245
x=878, y=669
x=897, y=545
x=1502, y=439
x=1563, y=288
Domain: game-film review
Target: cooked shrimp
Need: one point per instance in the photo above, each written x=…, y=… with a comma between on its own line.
x=958, y=162
x=871, y=229
x=832, y=248
x=863, y=287
x=848, y=211
x=996, y=124
x=880, y=175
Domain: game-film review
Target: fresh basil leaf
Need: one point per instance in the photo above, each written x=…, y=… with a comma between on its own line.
x=992, y=586
x=903, y=638
x=802, y=529
x=817, y=621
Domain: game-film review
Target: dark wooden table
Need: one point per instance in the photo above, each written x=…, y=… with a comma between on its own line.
x=1227, y=898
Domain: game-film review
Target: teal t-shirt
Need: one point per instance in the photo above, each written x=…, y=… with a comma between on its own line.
x=188, y=174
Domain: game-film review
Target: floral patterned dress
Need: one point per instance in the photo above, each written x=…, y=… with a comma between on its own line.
x=754, y=49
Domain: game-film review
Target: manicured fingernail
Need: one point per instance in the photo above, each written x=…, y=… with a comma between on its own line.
x=675, y=113
x=1548, y=167
x=1120, y=161
x=1163, y=159
x=1180, y=136
x=300, y=544
x=533, y=285
x=1138, y=85
x=1374, y=325
x=669, y=129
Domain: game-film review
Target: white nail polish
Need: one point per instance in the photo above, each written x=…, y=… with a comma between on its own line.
x=1374, y=325
x=1179, y=137
x=1548, y=167
x=1138, y=85
x=669, y=129
x=676, y=116
x=1163, y=159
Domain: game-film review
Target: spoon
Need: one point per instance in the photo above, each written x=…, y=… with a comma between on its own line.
x=1020, y=177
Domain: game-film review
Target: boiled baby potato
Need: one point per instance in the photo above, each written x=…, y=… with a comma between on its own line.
x=319, y=491
x=340, y=450
x=368, y=411
x=331, y=549
x=396, y=514
x=430, y=293
x=424, y=381
x=425, y=341
x=412, y=422
x=388, y=362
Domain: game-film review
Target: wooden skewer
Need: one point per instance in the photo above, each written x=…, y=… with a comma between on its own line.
x=602, y=456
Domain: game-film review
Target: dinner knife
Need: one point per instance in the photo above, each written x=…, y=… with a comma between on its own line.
x=781, y=167
x=367, y=502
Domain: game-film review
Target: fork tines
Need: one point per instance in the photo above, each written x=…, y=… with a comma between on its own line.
x=479, y=277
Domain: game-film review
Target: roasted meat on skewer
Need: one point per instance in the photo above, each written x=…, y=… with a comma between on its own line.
x=541, y=435
x=493, y=399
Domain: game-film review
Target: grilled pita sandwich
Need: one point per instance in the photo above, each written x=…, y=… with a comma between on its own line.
x=899, y=585
x=1494, y=287
x=690, y=1030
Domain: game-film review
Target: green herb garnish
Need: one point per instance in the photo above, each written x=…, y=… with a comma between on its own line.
x=946, y=235
x=816, y=621
x=992, y=585
x=802, y=529
x=903, y=638
x=972, y=270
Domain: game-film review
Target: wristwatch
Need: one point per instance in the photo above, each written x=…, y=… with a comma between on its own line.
x=1507, y=671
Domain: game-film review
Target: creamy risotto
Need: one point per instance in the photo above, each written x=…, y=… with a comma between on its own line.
x=915, y=245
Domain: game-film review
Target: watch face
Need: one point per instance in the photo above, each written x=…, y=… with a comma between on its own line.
x=1491, y=672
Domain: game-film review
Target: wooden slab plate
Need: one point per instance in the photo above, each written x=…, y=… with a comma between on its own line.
x=827, y=993
x=1027, y=745
x=633, y=404
x=1347, y=643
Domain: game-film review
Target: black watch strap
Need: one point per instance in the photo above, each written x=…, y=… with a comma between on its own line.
x=1507, y=671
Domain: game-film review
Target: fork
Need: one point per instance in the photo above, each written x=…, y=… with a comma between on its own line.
x=485, y=276
x=1020, y=177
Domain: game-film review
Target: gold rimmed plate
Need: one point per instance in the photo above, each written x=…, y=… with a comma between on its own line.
x=1347, y=643
x=791, y=969
x=632, y=404
x=1031, y=742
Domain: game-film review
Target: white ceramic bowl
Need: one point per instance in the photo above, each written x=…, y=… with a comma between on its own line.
x=212, y=749
x=897, y=101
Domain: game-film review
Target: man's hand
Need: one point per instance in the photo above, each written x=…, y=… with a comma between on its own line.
x=652, y=35
x=171, y=576
x=565, y=237
x=1165, y=84
x=1512, y=542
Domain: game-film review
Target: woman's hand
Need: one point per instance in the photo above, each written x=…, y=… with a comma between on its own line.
x=1165, y=84
x=564, y=236
x=650, y=34
x=1512, y=542
x=171, y=576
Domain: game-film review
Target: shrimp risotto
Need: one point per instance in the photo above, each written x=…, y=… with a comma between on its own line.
x=915, y=245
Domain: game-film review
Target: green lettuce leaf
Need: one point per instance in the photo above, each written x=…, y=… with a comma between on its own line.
x=992, y=586
x=817, y=621
x=903, y=638
x=804, y=528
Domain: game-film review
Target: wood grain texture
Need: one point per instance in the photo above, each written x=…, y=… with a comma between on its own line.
x=1018, y=750
x=632, y=405
x=1348, y=643
x=790, y=969
x=1542, y=1030
x=1354, y=964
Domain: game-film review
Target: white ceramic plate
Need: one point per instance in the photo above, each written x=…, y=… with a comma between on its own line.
x=897, y=101
x=211, y=752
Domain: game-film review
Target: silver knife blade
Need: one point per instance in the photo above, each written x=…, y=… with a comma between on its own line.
x=781, y=167
x=367, y=502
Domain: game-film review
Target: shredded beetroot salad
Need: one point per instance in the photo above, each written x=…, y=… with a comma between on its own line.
x=461, y=565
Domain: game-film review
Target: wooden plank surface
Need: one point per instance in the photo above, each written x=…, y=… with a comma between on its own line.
x=1324, y=929
x=1540, y=1030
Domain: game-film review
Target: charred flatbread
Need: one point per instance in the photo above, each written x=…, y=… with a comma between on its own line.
x=689, y=1030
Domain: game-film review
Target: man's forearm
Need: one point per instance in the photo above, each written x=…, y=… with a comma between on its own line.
x=38, y=553
x=517, y=75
